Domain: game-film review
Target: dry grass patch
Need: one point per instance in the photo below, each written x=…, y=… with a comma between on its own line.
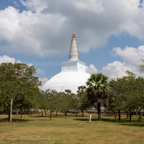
x=72, y=129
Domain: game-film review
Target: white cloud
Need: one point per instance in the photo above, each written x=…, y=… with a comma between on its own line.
x=26, y=32
x=5, y=59
x=113, y=70
x=131, y=57
x=91, y=69
x=35, y=5
x=18, y=61
x=40, y=71
x=130, y=54
x=16, y=4
x=29, y=64
x=43, y=80
x=117, y=69
x=90, y=5
x=47, y=26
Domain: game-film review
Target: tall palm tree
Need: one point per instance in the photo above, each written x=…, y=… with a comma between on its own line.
x=98, y=91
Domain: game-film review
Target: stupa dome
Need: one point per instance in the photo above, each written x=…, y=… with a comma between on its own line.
x=72, y=74
x=67, y=80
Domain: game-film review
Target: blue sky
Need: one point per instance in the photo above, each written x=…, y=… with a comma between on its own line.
x=38, y=32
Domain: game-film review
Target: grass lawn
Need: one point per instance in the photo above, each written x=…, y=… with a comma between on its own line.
x=72, y=129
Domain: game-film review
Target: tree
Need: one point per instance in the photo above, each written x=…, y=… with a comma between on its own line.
x=52, y=101
x=140, y=95
x=66, y=101
x=128, y=94
x=135, y=94
x=118, y=95
x=49, y=100
x=82, y=96
x=17, y=82
x=40, y=101
x=75, y=103
x=98, y=91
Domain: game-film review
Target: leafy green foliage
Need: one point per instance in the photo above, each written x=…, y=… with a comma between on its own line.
x=17, y=82
x=83, y=100
x=66, y=101
x=128, y=93
x=98, y=91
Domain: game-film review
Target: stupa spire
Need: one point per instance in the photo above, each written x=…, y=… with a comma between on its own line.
x=73, y=53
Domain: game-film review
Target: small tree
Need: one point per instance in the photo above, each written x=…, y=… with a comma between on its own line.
x=118, y=92
x=40, y=101
x=48, y=100
x=66, y=101
x=52, y=101
x=83, y=101
x=75, y=103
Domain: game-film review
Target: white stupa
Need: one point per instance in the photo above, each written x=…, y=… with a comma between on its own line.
x=73, y=72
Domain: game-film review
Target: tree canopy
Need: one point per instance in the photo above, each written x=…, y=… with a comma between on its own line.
x=98, y=91
x=17, y=82
x=128, y=93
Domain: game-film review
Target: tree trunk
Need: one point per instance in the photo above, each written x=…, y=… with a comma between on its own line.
x=65, y=113
x=82, y=112
x=42, y=112
x=127, y=114
x=21, y=113
x=11, y=110
x=17, y=112
x=76, y=113
x=50, y=115
x=115, y=114
x=119, y=115
x=130, y=116
x=56, y=113
x=45, y=111
x=140, y=116
x=99, y=111
x=9, y=116
x=136, y=114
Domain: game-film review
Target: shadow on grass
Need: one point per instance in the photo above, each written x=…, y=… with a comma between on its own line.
x=86, y=119
x=13, y=120
x=132, y=124
x=124, y=122
x=58, y=116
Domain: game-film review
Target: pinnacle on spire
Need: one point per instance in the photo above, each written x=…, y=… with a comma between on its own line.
x=73, y=53
x=73, y=36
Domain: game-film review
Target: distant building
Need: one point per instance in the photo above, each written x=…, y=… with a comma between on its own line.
x=73, y=72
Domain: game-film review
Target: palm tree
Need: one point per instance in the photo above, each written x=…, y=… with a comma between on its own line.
x=81, y=90
x=98, y=91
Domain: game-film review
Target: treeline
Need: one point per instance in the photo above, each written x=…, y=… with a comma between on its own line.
x=127, y=94
x=62, y=101
x=17, y=82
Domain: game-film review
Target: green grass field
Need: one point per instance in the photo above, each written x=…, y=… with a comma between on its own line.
x=71, y=129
